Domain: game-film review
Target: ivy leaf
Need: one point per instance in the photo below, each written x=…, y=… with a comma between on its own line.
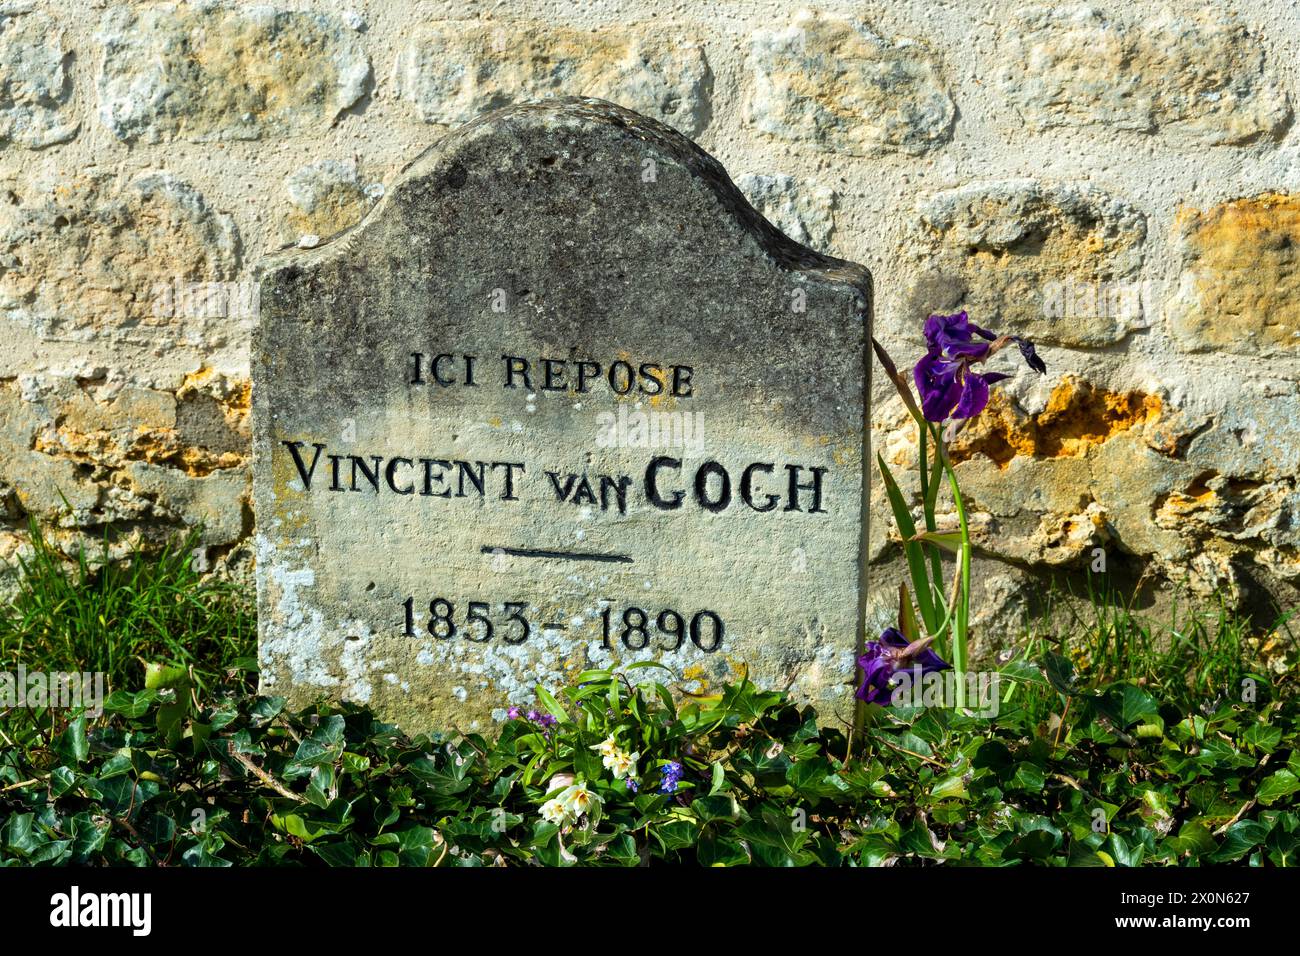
x=1239, y=839
x=721, y=851
x=1264, y=737
x=1275, y=787
x=158, y=676
x=73, y=745
x=711, y=808
x=130, y=705
x=445, y=780
x=1059, y=673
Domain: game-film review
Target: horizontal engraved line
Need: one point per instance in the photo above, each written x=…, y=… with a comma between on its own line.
x=564, y=555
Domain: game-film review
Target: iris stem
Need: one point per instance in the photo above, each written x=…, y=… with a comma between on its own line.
x=928, y=496
x=962, y=610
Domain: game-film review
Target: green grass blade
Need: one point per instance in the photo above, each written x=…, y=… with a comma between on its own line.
x=915, y=557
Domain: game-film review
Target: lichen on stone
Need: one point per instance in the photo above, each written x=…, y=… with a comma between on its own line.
x=214, y=71
x=835, y=84
x=35, y=81
x=452, y=71
x=1239, y=289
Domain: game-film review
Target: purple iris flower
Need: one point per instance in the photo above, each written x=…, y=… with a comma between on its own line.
x=948, y=386
x=889, y=655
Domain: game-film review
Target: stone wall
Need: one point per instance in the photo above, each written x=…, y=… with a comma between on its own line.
x=1120, y=182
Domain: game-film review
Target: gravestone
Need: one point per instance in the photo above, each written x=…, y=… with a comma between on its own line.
x=562, y=401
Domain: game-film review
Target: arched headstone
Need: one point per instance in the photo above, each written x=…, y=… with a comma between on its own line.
x=563, y=400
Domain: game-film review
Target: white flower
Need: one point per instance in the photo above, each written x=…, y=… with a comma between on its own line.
x=578, y=799
x=573, y=801
x=606, y=748
x=554, y=811
x=622, y=764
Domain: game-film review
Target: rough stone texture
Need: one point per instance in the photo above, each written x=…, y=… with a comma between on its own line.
x=34, y=84
x=110, y=285
x=214, y=71
x=1050, y=474
x=85, y=261
x=836, y=84
x=326, y=198
x=102, y=289
x=805, y=213
x=82, y=452
x=534, y=232
x=1055, y=262
x=1239, y=290
x=454, y=71
x=1198, y=76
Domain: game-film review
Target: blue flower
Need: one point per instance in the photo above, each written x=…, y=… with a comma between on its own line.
x=672, y=774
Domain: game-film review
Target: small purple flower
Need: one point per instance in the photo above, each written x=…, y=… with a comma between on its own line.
x=543, y=721
x=633, y=785
x=948, y=386
x=672, y=775
x=889, y=655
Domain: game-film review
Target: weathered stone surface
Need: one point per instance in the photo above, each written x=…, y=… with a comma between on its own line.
x=1077, y=416
x=1030, y=472
x=1058, y=263
x=35, y=85
x=1194, y=490
x=84, y=453
x=1239, y=290
x=223, y=71
x=85, y=261
x=1201, y=78
x=454, y=70
x=834, y=83
x=1236, y=506
x=535, y=233
x=326, y=198
x=804, y=212
x=102, y=288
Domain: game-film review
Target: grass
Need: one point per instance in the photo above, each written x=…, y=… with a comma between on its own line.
x=155, y=607
x=1196, y=658
x=116, y=617
x=1121, y=741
